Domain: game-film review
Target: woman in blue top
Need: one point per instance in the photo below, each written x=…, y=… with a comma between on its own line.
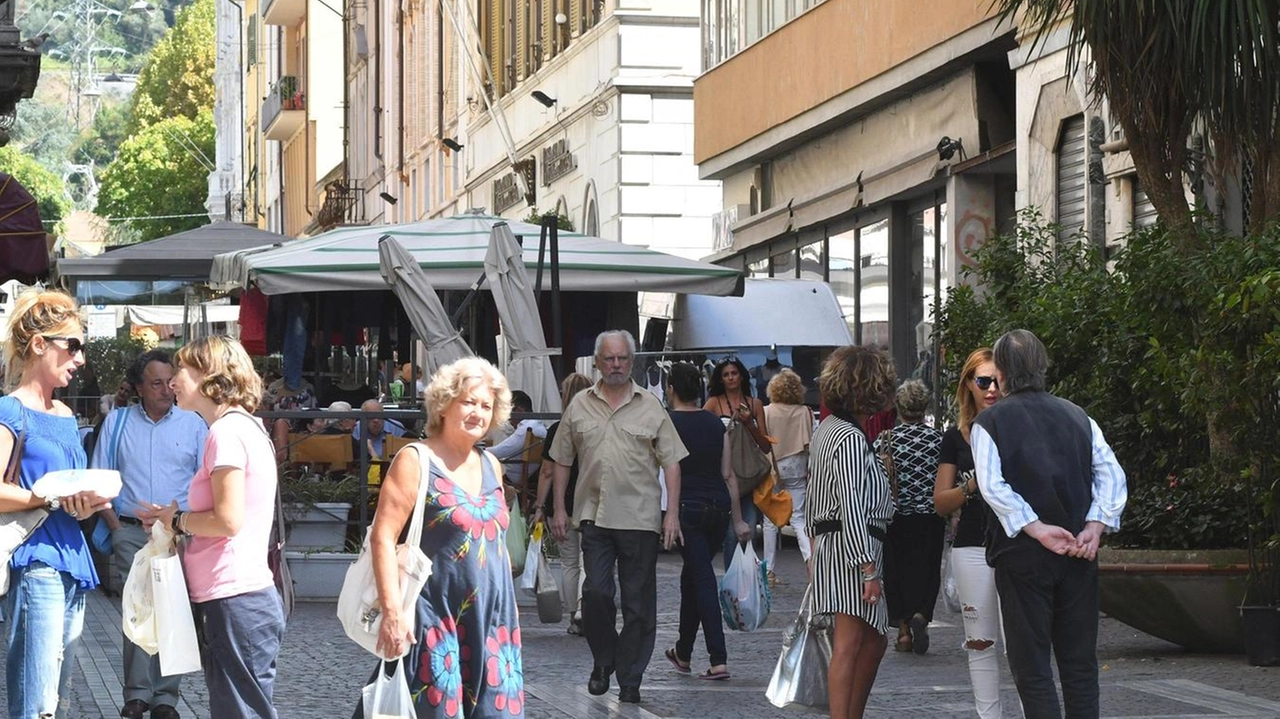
x=51, y=571
x=708, y=501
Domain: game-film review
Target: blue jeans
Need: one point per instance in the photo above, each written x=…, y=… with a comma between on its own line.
x=44, y=611
x=239, y=641
x=294, y=346
x=702, y=524
x=750, y=515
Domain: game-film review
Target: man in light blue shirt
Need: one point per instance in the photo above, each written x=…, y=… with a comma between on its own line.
x=157, y=448
x=379, y=429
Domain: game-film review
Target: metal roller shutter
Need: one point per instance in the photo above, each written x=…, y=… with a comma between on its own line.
x=1144, y=213
x=1071, y=178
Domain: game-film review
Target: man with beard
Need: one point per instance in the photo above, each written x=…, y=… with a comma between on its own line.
x=620, y=434
x=157, y=449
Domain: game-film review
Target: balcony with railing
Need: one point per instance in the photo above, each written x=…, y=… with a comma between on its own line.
x=343, y=205
x=284, y=12
x=285, y=109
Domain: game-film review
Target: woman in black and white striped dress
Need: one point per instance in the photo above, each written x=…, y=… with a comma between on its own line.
x=850, y=506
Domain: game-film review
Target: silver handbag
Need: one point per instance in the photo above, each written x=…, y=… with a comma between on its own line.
x=801, y=674
x=16, y=527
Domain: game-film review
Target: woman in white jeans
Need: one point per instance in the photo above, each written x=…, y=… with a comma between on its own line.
x=957, y=489
x=791, y=433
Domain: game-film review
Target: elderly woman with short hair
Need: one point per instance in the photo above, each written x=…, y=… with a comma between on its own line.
x=849, y=510
x=464, y=655
x=791, y=426
x=913, y=551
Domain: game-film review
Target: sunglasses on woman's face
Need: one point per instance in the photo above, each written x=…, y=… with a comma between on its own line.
x=74, y=344
x=984, y=383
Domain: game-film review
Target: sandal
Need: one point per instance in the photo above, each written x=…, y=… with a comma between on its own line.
x=904, y=642
x=682, y=667
x=714, y=676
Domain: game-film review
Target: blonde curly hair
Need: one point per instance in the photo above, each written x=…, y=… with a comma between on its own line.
x=786, y=388
x=453, y=380
x=228, y=374
x=858, y=381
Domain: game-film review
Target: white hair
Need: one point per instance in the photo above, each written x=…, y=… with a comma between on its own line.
x=625, y=335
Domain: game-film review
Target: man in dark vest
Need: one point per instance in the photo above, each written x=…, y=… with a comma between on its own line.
x=1054, y=484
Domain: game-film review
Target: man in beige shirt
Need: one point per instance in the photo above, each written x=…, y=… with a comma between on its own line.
x=620, y=435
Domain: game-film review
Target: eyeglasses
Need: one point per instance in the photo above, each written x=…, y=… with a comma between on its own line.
x=984, y=383
x=75, y=345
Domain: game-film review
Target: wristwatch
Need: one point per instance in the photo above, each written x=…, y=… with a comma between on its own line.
x=52, y=504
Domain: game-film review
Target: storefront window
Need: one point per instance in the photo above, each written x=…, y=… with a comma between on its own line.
x=843, y=266
x=784, y=263
x=812, y=262
x=929, y=286
x=759, y=268
x=873, y=262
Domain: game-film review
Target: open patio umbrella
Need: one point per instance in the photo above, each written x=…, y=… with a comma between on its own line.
x=24, y=255
x=530, y=365
x=426, y=314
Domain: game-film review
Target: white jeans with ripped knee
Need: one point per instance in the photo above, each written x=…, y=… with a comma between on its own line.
x=980, y=607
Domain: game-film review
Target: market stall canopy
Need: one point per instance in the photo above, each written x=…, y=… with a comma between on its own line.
x=452, y=252
x=24, y=253
x=185, y=255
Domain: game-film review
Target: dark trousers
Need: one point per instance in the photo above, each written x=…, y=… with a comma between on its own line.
x=634, y=553
x=750, y=515
x=1050, y=603
x=239, y=640
x=913, y=565
x=703, y=526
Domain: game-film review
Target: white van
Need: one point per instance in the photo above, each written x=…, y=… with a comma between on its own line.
x=800, y=320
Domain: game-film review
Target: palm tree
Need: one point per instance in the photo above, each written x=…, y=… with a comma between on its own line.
x=1168, y=66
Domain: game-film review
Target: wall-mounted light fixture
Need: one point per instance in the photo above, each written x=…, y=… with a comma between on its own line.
x=543, y=98
x=388, y=197
x=452, y=144
x=947, y=148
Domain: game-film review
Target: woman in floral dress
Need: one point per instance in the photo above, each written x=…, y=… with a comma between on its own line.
x=463, y=647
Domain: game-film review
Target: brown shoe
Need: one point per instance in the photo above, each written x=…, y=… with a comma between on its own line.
x=164, y=711
x=134, y=709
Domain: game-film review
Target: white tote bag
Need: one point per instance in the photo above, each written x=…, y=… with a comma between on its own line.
x=744, y=591
x=137, y=599
x=179, y=649
x=358, y=607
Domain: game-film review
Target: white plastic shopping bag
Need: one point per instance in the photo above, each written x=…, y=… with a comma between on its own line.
x=744, y=591
x=179, y=650
x=137, y=603
x=388, y=697
x=529, y=575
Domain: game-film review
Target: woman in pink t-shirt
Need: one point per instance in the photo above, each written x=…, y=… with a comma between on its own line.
x=232, y=500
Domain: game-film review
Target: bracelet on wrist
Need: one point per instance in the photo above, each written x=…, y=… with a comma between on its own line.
x=51, y=504
x=178, y=524
x=870, y=576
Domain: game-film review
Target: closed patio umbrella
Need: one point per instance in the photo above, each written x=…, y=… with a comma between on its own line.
x=426, y=314
x=24, y=255
x=530, y=365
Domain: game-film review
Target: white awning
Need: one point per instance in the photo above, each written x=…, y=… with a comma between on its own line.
x=451, y=250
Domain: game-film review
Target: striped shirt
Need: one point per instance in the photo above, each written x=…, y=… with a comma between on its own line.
x=1108, y=486
x=847, y=483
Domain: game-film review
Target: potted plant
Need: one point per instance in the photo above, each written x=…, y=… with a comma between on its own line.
x=317, y=507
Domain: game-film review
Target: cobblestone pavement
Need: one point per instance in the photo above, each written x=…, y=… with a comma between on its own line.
x=321, y=672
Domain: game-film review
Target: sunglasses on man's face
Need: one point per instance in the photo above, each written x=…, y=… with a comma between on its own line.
x=74, y=344
x=984, y=383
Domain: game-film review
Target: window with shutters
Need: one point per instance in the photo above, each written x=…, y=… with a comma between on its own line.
x=510, y=47
x=1070, y=213
x=1144, y=213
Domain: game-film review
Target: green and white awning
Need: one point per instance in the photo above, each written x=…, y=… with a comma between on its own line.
x=451, y=250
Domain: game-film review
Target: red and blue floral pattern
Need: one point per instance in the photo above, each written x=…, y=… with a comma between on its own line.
x=447, y=667
x=480, y=516
x=504, y=670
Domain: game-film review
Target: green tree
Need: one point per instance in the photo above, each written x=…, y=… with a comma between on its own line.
x=42, y=131
x=101, y=140
x=43, y=185
x=177, y=79
x=1164, y=65
x=161, y=171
